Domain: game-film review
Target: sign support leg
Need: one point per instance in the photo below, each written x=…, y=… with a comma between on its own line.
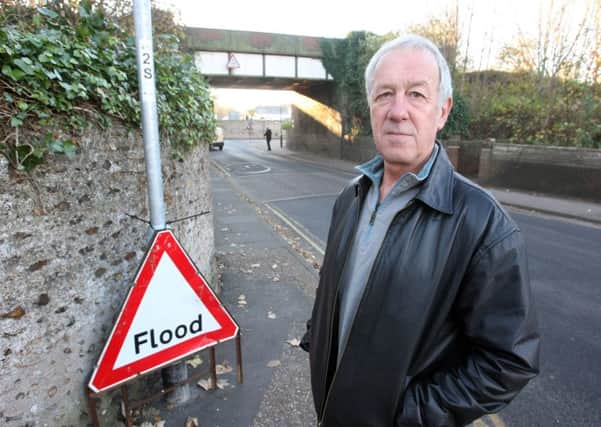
x=127, y=410
x=239, y=359
x=92, y=409
x=213, y=368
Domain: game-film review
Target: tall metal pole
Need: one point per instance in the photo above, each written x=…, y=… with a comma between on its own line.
x=150, y=123
x=178, y=372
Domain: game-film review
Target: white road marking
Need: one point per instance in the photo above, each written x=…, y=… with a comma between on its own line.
x=305, y=196
x=296, y=228
x=221, y=168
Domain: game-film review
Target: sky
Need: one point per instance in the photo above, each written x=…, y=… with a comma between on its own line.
x=336, y=18
x=489, y=23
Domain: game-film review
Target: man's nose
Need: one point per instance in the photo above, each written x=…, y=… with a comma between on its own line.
x=399, y=108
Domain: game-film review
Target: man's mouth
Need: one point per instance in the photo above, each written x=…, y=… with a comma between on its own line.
x=398, y=133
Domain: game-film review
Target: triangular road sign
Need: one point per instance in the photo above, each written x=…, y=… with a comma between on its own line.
x=169, y=313
x=233, y=62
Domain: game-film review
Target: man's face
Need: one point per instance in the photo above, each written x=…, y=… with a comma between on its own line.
x=404, y=110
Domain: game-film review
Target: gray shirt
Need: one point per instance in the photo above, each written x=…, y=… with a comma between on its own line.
x=374, y=221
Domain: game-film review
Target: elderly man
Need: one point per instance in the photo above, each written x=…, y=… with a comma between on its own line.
x=424, y=313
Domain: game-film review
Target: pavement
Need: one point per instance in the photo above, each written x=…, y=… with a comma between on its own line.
x=268, y=277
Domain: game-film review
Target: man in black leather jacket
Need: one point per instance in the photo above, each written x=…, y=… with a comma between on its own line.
x=424, y=314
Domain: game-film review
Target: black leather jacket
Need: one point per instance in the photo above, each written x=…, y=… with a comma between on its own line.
x=446, y=329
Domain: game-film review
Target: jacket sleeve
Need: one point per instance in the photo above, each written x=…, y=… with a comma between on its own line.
x=306, y=339
x=495, y=310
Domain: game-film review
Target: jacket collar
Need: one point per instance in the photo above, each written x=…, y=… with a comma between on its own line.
x=437, y=189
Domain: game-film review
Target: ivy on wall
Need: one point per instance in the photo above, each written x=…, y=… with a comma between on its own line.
x=345, y=60
x=65, y=69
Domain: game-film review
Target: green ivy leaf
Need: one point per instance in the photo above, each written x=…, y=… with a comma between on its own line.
x=24, y=64
x=15, y=122
x=69, y=148
x=13, y=73
x=48, y=13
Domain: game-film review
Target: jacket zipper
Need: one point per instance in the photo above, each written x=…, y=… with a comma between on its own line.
x=365, y=292
x=349, y=245
x=373, y=214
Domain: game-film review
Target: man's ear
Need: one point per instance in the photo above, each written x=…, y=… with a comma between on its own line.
x=445, y=109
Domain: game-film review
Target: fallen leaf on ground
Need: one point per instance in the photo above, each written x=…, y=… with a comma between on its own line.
x=205, y=384
x=255, y=265
x=15, y=313
x=276, y=279
x=195, y=362
x=192, y=422
x=273, y=363
x=223, y=368
x=221, y=384
x=271, y=315
x=274, y=266
x=294, y=342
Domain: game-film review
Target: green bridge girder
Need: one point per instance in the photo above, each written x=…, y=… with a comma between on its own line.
x=252, y=42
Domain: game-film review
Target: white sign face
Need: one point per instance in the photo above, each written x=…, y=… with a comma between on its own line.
x=251, y=64
x=311, y=68
x=211, y=63
x=280, y=66
x=170, y=313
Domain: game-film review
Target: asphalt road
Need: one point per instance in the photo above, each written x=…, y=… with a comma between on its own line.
x=565, y=269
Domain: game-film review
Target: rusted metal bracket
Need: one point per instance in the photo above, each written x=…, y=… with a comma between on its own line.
x=129, y=406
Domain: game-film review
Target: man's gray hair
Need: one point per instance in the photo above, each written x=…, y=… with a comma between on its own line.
x=445, y=88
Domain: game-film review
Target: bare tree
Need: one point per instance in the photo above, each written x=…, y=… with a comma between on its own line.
x=444, y=31
x=561, y=47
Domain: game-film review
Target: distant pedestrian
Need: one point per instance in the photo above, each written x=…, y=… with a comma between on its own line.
x=267, y=135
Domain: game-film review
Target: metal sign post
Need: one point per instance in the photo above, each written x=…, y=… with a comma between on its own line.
x=152, y=155
x=204, y=322
x=150, y=123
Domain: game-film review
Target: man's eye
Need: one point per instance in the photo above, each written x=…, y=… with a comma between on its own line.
x=383, y=95
x=415, y=94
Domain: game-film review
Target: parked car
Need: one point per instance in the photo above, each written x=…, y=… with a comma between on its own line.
x=218, y=141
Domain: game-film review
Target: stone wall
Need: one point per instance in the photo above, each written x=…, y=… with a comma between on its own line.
x=69, y=251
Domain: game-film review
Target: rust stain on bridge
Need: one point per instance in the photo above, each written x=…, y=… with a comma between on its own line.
x=210, y=39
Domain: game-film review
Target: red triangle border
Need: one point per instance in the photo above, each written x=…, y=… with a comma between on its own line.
x=104, y=376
